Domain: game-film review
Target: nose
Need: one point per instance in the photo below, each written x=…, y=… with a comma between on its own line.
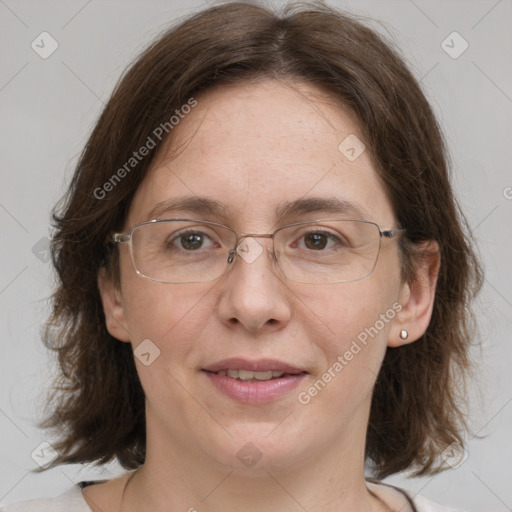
x=253, y=293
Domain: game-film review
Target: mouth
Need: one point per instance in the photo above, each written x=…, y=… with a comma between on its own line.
x=248, y=375
x=254, y=381
x=261, y=369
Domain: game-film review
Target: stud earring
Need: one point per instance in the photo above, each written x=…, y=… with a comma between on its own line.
x=404, y=334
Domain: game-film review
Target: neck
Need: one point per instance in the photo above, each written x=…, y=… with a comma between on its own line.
x=182, y=478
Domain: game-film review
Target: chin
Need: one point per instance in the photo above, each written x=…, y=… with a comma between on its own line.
x=258, y=448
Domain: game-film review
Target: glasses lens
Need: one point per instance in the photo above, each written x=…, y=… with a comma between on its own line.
x=328, y=251
x=173, y=251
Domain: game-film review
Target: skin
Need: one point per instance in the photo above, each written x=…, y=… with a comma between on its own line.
x=253, y=147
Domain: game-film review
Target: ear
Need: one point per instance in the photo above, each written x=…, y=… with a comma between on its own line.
x=417, y=296
x=113, y=308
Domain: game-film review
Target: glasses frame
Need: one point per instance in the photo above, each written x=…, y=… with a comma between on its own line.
x=126, y=238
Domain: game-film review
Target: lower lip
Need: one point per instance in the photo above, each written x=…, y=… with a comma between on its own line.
x=255, y=392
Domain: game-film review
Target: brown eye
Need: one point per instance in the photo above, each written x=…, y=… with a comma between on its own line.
x=191, y=241
x=316, y=241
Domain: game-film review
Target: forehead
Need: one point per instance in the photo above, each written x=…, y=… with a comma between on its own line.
x=256, y=147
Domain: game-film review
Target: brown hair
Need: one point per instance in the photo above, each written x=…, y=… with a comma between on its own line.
x=97, y=404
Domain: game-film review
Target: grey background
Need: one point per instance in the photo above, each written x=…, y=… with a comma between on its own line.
x=49, y=106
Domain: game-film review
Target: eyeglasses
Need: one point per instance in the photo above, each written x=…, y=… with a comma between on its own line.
x=315, y=252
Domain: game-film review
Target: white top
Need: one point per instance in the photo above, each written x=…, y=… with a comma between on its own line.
x=73, y=501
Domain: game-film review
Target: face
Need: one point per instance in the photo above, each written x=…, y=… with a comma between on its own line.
x=255, y=148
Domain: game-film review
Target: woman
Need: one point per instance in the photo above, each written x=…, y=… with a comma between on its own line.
x=263, y=276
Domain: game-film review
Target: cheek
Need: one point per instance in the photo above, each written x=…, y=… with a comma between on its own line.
x=351, y=321
x=173, y=318
x=358, y=318
x=164, y=313
x=347, y=309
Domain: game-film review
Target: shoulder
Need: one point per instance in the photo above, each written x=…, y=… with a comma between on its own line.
x=71, y=501
x=405, y=500
x=425, y=505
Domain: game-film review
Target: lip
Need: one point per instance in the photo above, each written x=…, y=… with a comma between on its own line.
x=260, y=365
x=255, y=392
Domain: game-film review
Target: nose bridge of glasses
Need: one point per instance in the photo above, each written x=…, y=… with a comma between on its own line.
x=248, y=248
x=254, y=235
x=245, y=238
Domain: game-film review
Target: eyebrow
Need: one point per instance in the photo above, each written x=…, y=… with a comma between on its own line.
x=310, y=205
x=192, y=204
x=284, y=211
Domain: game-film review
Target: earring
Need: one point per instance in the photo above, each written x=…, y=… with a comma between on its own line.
x=404, y=334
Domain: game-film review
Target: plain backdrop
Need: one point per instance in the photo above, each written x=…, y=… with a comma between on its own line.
x=49, y=105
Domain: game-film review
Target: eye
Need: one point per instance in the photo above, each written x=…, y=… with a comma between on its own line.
x=190, y=241
x=318, y=240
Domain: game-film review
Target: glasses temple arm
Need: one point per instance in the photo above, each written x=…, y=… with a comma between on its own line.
x=120, y=238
